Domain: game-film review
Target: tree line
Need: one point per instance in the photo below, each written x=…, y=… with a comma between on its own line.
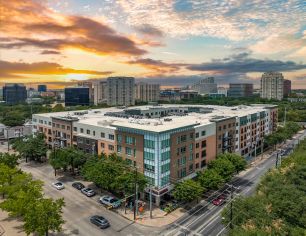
x=279, y=205
x=22, y=197
x=218, y=172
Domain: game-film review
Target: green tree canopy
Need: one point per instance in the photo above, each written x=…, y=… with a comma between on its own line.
x=11, y=160
x=238, y=161
x=210, y=179
x=223, y=167
x=188, y=190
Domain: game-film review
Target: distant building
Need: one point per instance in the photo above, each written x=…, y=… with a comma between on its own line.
x=188, y=94
x=169, y=95
x=120, y=91
x=216, y=95
x=287, y=87
x=47, y=94
x=272, y=85
x=42, y=88
x=14, y=93
x=88, y=84
x=99, y=91
x=222, y=90
x=205, y=86
x=77, y=96
x=147, y=92
x=240, y=90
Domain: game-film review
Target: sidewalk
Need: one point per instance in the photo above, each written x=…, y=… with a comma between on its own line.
x=10, y=226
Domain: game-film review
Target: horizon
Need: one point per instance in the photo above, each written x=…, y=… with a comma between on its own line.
x=173, y=43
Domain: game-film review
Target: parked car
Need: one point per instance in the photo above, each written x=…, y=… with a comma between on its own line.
x=99, y=221
x=58, y=185
x=88, y=192
x=78, y=185
x=218, y=201
x=110, y=201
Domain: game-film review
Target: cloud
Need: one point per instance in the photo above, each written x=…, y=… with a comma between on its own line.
x=46, y=29
x=241, y=63
x=20, y=69
x=149, y=30
x=52, y=52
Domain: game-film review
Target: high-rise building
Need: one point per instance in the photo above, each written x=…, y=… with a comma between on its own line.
x=287, y=87
x=42, y=88
x=88, y=84
x=147, y=92
x=100, y=91
x=205, y=86
x=272, y=85
x=77, y=96
x=167, y=143
x=14, y=93
x=120, y=91
x=240, y=90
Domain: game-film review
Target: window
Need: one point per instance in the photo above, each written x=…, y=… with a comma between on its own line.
x=49, y=123
x=165, y=168
x=197, y=166
x=134, y=152
x=224, y=126
x=183, y=149
x=183, y=173
x=197, y=135
x=128, y=151
x=183, y=138
x=94, y=133
x=149, y=168
x=63, y=127
x=111, y=147
x=219, y=137
x=88, y=131
x=57, y=125
x=87, y=141
x=102, y=135
x=197, y=155
x=203, y=133
x=191, y=147
x=150, y=180
x=203, y=163
x=130, y=140
x=197, y=145
x=191, y=157
x=148, y=156
x=203, y=144
x=190, y=167
x=119, y=149
x=191, y=135
x=183, y=160
x=165, y=156
x=220, y=128
x=68, y=127
x=219, y=146
x=165, y=143
x=111, y=137
x=165, y=180
x=203, y=153
x=149, y=144
x=75, y=129
x=82, y=130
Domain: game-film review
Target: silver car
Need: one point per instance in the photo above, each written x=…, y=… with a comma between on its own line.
x=88, y=192
x=58, y=185
x=110, y=201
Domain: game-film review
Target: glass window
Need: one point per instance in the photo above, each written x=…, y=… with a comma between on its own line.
x=197, y=135
x=191, y=135
x=165, y=156
x=102, y=135
x=183, y=161
x=165, y=180
x=203, y=153
x=82, y=130
x=94, y=133
x=119, y=138
x=110, y=147
x=203, y=144
x=149, y=144
x=128, y=151
x=197, y=155
x=148, y=156
x=191, y=157
x=75, y=129
x=119, y=148
x=149, y=167
x=165, y=168
x=88, y=131
x=130, y=140
x=150, y=180
x=111, y=137
x=197, y=145
x=203, y=133
x=191, y=147
x=165, y=143
x=102, y=145
x=190, y=167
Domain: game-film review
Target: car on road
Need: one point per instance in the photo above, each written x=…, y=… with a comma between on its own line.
x=78, y=185
x=99, y=221
x=110, y=201
x=218, y=201
x=88, y=192
x=58, y=185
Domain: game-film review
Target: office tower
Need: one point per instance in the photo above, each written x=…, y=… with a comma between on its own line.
x=205, y=86
x=120, y=91
x=88, y=84
x=100, y=91
x=42, y=88
x=167, y=143
x=14, y=93
x=240, y=90
x=77, y=96
x=272, y=85
x=287, y=87
x=147, y=92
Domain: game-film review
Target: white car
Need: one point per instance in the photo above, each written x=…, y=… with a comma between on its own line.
x=88, y=192
x=110, y=201
x=58, y=185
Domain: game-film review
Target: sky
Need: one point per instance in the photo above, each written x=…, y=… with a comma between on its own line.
x=171, y=42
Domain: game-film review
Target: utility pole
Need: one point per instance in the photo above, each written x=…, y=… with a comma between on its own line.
x=8, y=139
x=151, y=202
x=231, y=213
x=276, y=161
x=262, y=147
x=285, y=116
x=136, y=206
x=135, y=190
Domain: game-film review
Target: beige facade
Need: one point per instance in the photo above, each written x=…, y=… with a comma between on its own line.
x=147, y=92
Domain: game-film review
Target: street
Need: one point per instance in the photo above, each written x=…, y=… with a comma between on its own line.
x=205, y=219
x=78, y=208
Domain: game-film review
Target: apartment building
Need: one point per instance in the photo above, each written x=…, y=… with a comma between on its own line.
x=147, y=92
x=167, y=143
x=287, y=87
x=99, y=91
x=240, y=90
x=205, y=86
x=120, y=91
x=272, y=85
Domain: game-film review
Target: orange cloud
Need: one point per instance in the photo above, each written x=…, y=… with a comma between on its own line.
x=32, y=24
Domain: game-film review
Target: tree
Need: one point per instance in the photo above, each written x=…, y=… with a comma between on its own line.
x=210, y=179
x=238, y=161
x=6, y=178
x=125, y=182
x=223, y=167
x=11, y=160
x=13, y=118
x=188, y=190
x=44, y=215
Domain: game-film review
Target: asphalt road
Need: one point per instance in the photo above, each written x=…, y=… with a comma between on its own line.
x=79, y=208
x=205, y=219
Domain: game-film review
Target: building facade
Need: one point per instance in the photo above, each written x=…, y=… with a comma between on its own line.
x=167, y=143
x=14, y=93
x=42, y=88
x=100, y=91
x=188, y=94
x=147, y=92
x=287, y=87
x=205, y=86
x=272, y=85
x=240, y=90
x=120, y=91
x=77, y=96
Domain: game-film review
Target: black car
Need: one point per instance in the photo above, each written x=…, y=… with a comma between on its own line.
x=99, y=221
x=78, y=185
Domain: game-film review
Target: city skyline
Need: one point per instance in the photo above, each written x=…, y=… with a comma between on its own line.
x=173, y=43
